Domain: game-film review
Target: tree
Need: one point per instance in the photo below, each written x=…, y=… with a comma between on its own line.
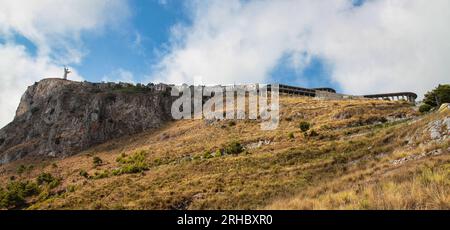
x=438, y=96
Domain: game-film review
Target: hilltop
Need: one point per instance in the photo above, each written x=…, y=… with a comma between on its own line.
x=59, y=118
x=356, y=154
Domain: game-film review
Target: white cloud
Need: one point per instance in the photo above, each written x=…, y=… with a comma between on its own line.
x=55, y=27
x=384, y=45
x=119, y=75
x=163, y=2
x=56, y=24
x=17, y=71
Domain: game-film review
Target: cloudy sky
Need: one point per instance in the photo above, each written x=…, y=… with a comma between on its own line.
x=355, y=46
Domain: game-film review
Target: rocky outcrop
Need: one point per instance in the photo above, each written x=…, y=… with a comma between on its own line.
x=59, y=118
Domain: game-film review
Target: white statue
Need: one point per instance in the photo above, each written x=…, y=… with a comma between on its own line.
x=66, y=72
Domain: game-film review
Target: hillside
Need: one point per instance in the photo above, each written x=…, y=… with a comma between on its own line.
x=357, y=154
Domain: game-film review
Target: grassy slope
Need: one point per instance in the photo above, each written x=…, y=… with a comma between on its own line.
x=348, y=165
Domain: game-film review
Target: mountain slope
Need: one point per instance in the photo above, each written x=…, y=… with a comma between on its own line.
x=353, y=148
x=58, y=118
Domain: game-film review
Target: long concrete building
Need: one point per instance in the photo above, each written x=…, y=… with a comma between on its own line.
x=332, y=94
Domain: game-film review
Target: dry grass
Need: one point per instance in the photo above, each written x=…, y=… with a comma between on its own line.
x=347, y=165
x=426, y=187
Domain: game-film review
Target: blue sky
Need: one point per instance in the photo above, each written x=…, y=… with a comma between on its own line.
x=136, y=46
x=149, y=26
x=143, y=39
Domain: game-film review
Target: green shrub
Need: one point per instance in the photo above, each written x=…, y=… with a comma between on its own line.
x=133, y=168
x=291, y=135
x=234, y=148
x=21, y=169
x=70, y=188
x=101, y=175
x=425, y=108
x=130, y=88
x=25, y=189
x=121, y=157
x=218, y=153
x=304, y=126
x=157, y=161
x=44, y=178
x=135, y=163
x=16, y=193
x=116, y=172
x=97, y=161
x=207, y=155
x=47, y=179
x=136, y=157
x=84, y=174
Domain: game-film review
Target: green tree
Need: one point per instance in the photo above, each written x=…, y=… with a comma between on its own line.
x=438, y=96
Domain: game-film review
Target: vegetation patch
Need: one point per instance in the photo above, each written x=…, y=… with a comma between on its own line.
x=22, y=169
x=291, y=135
x=47, y=179
x=101, y=174
x=304, y=126
x=425, y=108
x=135, y=163
x=130, y=88
x=84, y=174
x=15, y=193
x=97, y=161
x=233, y=148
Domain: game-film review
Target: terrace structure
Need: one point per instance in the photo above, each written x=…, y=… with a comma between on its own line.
x=330, y=93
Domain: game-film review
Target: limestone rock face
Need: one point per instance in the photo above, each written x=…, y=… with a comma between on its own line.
x=59, y=118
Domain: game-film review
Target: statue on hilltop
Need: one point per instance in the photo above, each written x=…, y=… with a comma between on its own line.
x=66, y=72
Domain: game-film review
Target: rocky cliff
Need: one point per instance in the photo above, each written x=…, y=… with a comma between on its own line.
x=57, y=117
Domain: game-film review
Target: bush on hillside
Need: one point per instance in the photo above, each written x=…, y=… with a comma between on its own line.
x=84, y=174
x=291, y=135
x=16, y=192
x=207, y=155
x=97, y=161
x=304, y=126
x=47, y=179
x=21, y=169
x=234, y=148
x=135, y=163
x=425, y=108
